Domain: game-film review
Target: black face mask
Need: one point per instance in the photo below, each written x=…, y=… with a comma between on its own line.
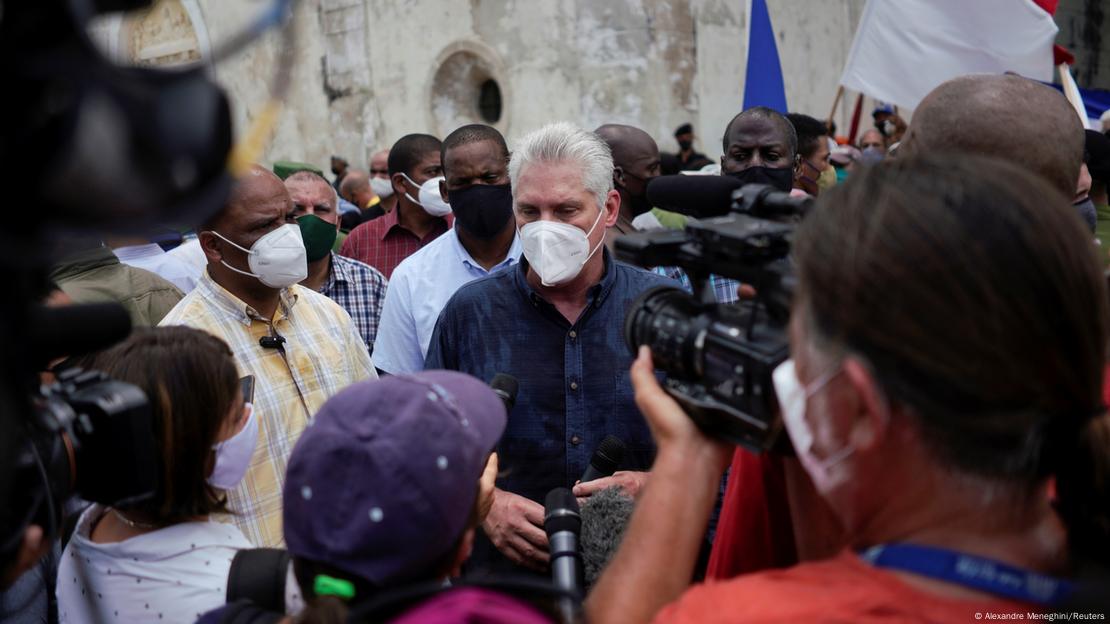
x=781, y=179
x=639, y=204
x=685, y=145
x=482, y=210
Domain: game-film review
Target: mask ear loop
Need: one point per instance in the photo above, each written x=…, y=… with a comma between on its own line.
x=600, y=212
x=240, y=248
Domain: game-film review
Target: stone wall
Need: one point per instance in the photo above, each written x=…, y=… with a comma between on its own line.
x=369, y=71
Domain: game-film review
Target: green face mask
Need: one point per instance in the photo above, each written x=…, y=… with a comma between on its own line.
x=318, y=235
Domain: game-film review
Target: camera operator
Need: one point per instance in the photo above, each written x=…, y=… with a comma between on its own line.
x=944, y=383
x=386, y=488
x=967, y=115
x=162, y=559
x=555, y=324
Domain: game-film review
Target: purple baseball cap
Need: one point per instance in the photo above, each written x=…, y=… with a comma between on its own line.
x=382, y=482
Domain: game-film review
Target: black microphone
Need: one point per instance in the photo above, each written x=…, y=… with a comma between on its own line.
x=505, y=386
x=606, y=458
x=698, y=196
x=272, y=342
x=75, y=329
x=562, y=523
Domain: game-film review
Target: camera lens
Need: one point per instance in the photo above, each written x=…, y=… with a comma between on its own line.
x=669, y=321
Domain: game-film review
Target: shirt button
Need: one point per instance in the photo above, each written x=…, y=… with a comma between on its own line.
x=574, y=385
x=573, y=334
x=575, y=440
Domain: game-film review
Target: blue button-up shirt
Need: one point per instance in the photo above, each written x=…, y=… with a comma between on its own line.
x=418, y=290
x=574, y=377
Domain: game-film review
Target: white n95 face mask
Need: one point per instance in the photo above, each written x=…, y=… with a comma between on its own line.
x=557, y=251
x=278, y=259
x=792, y=398
x=382, y=187
x=233, y=455
x=430, y=199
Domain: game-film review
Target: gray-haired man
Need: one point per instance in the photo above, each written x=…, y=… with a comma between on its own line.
x=555, y=323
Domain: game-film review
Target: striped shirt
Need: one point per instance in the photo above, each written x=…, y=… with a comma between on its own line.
x=360, y=290
x=383, y=243
x=322, y=354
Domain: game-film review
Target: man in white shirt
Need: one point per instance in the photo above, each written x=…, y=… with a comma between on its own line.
x=475, y=165
x=143, y=254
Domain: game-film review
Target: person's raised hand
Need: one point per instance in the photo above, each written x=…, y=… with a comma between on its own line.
x=673, y=430
x=515, y=526
x=630, y=482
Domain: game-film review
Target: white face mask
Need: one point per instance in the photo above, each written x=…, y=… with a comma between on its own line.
x=233, y=455
x=792, y=403
x=430, y=199
x=382, y=187
x=557, y=251
x=278, y=259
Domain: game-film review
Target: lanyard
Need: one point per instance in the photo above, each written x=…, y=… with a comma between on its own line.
x=974, y=572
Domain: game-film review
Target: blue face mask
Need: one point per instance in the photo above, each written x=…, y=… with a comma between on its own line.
x=1087, y=212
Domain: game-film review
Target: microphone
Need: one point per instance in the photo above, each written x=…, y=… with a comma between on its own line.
x=605, y=516
x=75, y=329
x=505, y=386
x=272, y=342
x=607, y=456
x=696, y=196
x=562, y=523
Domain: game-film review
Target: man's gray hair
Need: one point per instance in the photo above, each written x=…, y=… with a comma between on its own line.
x=306, y=175
x=565, y=142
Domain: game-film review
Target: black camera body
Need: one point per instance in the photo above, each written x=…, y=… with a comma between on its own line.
x=719, y=358
x=88, y=435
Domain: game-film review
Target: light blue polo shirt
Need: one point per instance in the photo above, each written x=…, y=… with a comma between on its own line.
x=418, y=290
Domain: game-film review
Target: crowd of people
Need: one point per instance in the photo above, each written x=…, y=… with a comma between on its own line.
x=317, y=356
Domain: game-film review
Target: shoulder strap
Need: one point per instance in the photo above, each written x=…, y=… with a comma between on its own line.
x=69, y=525
x=259, y=574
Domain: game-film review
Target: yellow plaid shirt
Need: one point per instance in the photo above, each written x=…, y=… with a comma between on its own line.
x=322, y=354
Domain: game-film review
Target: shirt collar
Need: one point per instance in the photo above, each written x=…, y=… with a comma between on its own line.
x=237, y=308
x=596, y=294
x=136, y=252
x=340, y=270
x=465, y=257
x=389, y=221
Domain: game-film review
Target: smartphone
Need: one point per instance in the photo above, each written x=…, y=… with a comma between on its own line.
x=247, y=384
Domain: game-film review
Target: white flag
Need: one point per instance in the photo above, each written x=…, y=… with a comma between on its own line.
x=905, y=48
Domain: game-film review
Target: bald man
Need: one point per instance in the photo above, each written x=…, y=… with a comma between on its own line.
x=635, y=163
x=979, y=115
x=300, y=346
x=356, y=189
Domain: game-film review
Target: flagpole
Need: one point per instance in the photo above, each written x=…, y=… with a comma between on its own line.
x=836, y=103
x=1071, y=92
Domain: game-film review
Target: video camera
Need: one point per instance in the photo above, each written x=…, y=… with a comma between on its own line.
x=95, y=145
x=718, y=357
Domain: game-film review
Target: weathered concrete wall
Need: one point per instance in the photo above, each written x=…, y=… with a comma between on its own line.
x=1085, y=30
x=369, y=71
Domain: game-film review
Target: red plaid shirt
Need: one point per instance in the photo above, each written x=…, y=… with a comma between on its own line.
x=383, y=243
